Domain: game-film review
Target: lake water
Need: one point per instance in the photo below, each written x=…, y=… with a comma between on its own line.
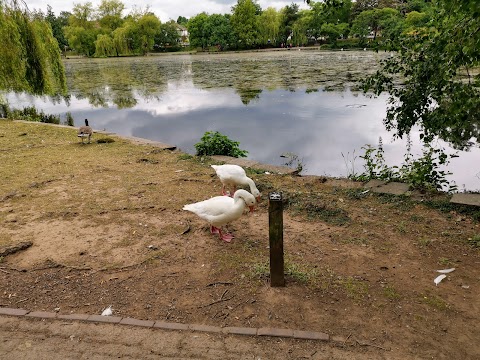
x=300, y=102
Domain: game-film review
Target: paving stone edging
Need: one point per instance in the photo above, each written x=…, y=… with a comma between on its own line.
x=274, y=332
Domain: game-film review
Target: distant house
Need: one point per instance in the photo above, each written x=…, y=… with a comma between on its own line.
x=183, y=34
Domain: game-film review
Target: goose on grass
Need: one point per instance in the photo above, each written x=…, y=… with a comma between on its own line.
x=85, y=131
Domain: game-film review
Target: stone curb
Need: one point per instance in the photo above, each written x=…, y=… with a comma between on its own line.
x=273, y=332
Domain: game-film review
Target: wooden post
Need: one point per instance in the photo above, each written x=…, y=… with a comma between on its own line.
x=275, y=224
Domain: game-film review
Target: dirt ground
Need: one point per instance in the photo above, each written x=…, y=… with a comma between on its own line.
x=107, y=228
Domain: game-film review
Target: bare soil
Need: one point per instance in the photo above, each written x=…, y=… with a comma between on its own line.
x=107, y=228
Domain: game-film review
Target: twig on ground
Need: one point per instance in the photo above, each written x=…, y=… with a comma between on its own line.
x=186, y=230
x=15, y=248
x=14, y=269
x=221, y=297
x=219, y=283
x=218, y=301
x=373, y=345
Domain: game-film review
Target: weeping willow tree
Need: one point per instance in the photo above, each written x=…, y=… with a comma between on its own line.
x=104, y=46
x=30, y=59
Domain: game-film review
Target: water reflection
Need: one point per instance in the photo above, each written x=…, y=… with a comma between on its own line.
x=297, y=102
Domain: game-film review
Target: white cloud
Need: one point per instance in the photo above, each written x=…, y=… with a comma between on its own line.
x=184, y=97
x=164, y=9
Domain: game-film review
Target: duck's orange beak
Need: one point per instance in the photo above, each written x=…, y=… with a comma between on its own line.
x=251, y=208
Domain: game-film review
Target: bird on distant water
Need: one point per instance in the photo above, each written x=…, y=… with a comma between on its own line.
x=221, y=210
x=233, y=176
x=85, y=131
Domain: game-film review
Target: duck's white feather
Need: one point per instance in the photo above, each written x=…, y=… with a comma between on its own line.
x=220, y=210
x=233, y=175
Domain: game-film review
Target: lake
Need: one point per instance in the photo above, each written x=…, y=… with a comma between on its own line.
x=302, y=102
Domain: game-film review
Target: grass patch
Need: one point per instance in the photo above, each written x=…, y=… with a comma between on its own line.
x=254, y=171
x=402, y=227
x=315, y=207
x=355, y=241
x=445, y=206
x=293, y=271
x=474, y=241
x=185, y=157
x=424, y=242
x=398, y=202
x=260, y=270
x=416, y=218
x=444, y=261
x=356, y=194
x=435, y=302
x=301, y=273
x=390, y=293
x=354, y=289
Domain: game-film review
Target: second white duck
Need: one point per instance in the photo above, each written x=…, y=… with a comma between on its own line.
x=233, y=176
x=221, y=210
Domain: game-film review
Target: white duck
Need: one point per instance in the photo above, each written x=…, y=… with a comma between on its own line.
x=220, y=210
x=234, y=175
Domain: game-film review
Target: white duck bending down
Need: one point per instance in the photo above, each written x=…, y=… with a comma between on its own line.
x=85, y=131
x=234, y=175
x=220, y=210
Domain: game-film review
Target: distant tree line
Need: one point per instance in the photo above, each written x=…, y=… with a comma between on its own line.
x=105, y=31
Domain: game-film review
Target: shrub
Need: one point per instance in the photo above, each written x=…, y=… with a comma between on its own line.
x=30, y=113
x=69, y=119
x=423, y=173
x=215, y=143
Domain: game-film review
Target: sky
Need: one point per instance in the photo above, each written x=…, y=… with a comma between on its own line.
x=164, y=9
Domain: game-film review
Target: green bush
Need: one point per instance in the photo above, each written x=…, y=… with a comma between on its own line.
x=423, y=173
x=69, y=119
x=30, y=113
x=215, y=143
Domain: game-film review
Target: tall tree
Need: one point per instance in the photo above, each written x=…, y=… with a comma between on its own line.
x=289, y=16
x=109, y=14
x=30, y=58
x=301, y=28
x=269, y=26
x=148, y=26
x=441, y=90
x=82, y=15
x=196, y=29
x=81, y=32
x=219, y=31
x=57, y=25
x=372, y=21
x=317, y=18
x=104, y=46
x=81, y=40
x=245, y=22
x=168, y=35
x=363, y=5
x=182, y=20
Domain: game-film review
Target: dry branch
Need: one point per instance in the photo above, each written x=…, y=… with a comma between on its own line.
x=8, y=250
